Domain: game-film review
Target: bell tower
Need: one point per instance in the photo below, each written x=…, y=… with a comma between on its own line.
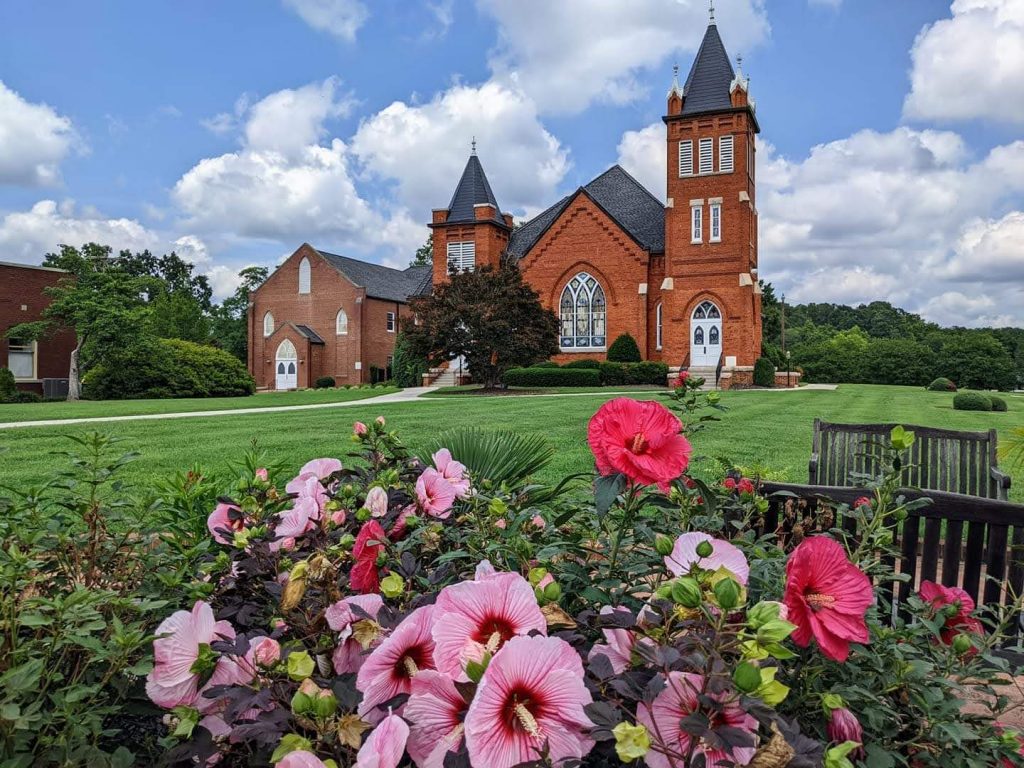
x=710, y=291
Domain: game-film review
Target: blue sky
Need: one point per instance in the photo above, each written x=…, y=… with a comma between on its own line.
x=233, y=131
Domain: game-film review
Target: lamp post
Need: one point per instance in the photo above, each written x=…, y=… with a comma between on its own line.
x=787, y=370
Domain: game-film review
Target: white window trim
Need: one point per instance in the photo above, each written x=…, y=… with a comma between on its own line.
x=34, y=346
x=391, y=322
x=715, y=208
x=339, y=329
x=463, y=255
x=657, y=326
x=709, y=144
x=688, y=146
x=305, y=276
x=268, y=328
x=696, y=224
x=723, y=142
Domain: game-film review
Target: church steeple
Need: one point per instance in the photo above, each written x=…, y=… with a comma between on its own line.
x=473, y=190
x=707, y=86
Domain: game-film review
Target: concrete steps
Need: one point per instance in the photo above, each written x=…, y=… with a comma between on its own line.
x=707, y=373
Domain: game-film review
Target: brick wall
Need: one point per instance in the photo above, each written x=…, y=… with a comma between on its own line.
x=489, y=238
x=22, y=300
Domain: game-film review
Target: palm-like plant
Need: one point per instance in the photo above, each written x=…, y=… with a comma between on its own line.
x=498, y=456
x=1013, y=449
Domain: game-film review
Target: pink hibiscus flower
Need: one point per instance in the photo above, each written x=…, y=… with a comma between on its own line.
x=377, y=501
x=435, y=494
x=369, y=543
x=308, y=486
x=961, y=621
x=618, y=648
x=294, y=522
x=723, y=555
x=385, y=746
x=641, y=440
x=476, y=617
x=390, y=668
x=264, y=651
x=225, y=518
x=531, y=694
x=348, y=653
x=359, y=428
x=301, y=759
x=177, y=678
x=322, y=468
x=452, y=471
x=679, y=699
x=436, y=711
x=827, y=597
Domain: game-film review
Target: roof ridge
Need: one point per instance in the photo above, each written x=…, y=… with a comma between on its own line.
x=634, y=179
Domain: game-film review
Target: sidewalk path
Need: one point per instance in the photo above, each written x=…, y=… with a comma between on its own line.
x=410, y=395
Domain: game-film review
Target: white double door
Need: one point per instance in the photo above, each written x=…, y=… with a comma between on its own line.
x=705, y=336
x=286, y=366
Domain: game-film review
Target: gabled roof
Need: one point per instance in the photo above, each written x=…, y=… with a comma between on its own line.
x=707, y=86
x=618, y=194
x=473, y=190
x=309, y=333
x=382, y=282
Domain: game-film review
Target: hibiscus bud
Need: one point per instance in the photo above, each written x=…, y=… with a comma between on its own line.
x=704, y=549
x=727, y=594
x=347, y=540
x=631, y=741
x=553, y=591
x=664, y=592
x=266, y=651
x=747, y=677
x=363, y=515
x=686, y=591
x=537, y=575
x=392, y=585
x=300, y=665
x=295, y=589
x=359, y=428
x=844, y=726
x=261, y=474
x=900, y=515
x=538, y=521
x=763, y=612
x=497, y=508
x=962, y=644
x=303, y=700
x=380, y=421
x=325, y=704
x=663, y=545
x=862, y=501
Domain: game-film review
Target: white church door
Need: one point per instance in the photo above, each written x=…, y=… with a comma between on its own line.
x=287, y=366
x=705, y=336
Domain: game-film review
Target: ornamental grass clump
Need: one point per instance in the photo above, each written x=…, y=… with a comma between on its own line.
x=384, y=610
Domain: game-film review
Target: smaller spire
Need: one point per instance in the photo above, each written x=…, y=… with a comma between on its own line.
x=711, y=12
x=472, y=145
x=676, y=89
x=740, y=80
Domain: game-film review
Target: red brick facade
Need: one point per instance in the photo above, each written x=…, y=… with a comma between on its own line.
x=348, y=356
x=22, y=300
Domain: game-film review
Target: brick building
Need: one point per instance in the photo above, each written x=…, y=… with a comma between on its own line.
x=22, y=300
x=608, y=259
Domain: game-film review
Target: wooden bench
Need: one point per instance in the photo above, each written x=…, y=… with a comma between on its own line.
x=940, y=459
x=960, y=541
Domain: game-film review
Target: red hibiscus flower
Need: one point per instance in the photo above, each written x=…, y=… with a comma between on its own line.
x=364, y=577
x=827, y=597
x=959, y=622
x=641, y=440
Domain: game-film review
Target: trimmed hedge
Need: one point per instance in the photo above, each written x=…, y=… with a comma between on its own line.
x=166, y=368
x=551, y=377
x=591, y=364
x=764, y=373
x=942, y=384
x=972, y=401
x=998, y=404
x=25, y=396
x=648, y=372
x=8, y=389
x=624, y=350
x=546, y=364
x=324, y=382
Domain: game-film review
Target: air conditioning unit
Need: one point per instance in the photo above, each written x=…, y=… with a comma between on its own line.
x=55, y=389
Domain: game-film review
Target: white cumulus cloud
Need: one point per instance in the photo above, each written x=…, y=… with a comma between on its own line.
x=34, y=139
x=970, y=66
x=340, y=18
x=26, y=236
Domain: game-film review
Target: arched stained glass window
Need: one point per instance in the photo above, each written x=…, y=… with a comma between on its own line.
x=713, y=335
x=698, y=335
x=582, y=313
x=286, y=351
x=706, y=311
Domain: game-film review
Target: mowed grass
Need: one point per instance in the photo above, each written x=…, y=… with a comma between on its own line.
x=770, y=430
x=478, y=390
x=84, y=409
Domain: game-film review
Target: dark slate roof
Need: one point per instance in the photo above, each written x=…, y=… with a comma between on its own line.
x=621, y=196
x=382, y=282
x=309, y=333
x=473, y=189
x=707, y=87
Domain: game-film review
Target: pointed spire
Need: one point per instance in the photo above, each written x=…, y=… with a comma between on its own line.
x=473, y=189
x=472, y=150
x=675, y=89
x=740, y=80
x=711, y=12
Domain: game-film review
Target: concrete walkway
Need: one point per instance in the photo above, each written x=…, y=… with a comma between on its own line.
x=403, y=396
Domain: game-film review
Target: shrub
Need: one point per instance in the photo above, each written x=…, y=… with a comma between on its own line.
x=406, y=368
x=942, y=384
x=648, y=372
x=551, y=377
x=764, y=372
x=546, y=364
x=26, y=396
x=998, y=404
x=324, y=382
x=165, y=368
x=8, y=388
x=972, y=401
x=624, y=350
x=898, y=361
x=592, y=364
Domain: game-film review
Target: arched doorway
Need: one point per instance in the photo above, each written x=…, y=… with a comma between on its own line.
x=286, y=366
x=705, y=335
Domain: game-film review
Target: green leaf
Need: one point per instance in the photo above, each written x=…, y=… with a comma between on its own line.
x=606, y=489
x=34, y=620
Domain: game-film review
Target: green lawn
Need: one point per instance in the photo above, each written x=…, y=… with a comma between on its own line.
x=475, y=389
x=769, y=429
x=84, y=409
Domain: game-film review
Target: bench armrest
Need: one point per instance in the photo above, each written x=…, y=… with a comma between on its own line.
x=812, y=469
x=1001, y=478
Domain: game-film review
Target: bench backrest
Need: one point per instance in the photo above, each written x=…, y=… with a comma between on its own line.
x=940, y=459
x=960, y=541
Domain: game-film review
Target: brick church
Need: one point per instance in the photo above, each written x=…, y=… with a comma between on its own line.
x=609, y=258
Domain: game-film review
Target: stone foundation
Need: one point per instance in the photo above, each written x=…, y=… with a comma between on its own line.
x=794, y=379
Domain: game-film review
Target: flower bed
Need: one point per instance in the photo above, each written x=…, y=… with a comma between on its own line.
x=379, y=610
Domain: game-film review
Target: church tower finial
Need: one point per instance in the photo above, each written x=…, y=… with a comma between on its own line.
x=711, y=12
x=472, y=146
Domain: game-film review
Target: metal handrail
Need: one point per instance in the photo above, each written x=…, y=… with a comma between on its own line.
x=718, y=370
